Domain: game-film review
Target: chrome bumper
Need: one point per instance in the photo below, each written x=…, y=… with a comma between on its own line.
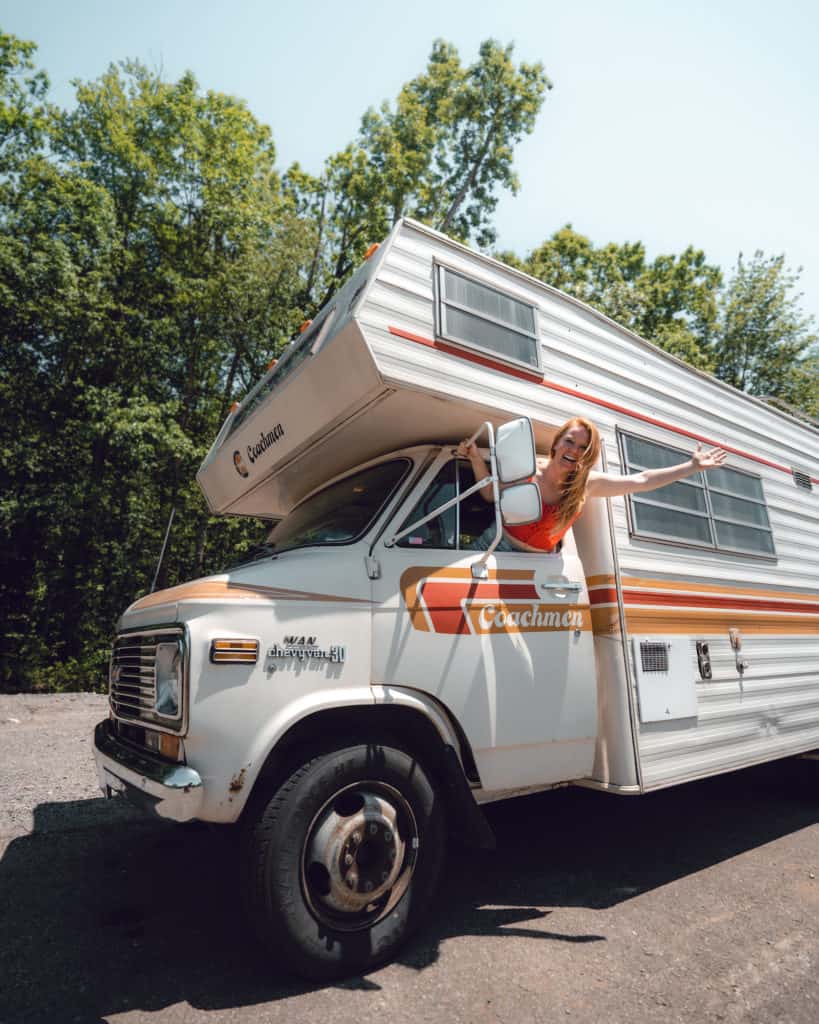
x=171, y=791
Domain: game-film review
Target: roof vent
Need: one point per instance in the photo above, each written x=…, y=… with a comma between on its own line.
x=802, y=479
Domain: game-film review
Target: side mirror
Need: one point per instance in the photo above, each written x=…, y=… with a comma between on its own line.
x=520, y=504
x=515, y=450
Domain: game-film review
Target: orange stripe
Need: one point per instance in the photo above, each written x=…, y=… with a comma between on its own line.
x=657, y=620
x=679, y=600
x=226, y=590
x=605, y=621
x=411, y=577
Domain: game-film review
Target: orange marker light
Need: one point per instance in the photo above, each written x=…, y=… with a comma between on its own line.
x=272, y=363
x=234, y=407
x=169, y=746
x=372, y=249
x=304, y=326
x=234, y=651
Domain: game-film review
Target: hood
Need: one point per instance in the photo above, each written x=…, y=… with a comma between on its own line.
x=317, y=575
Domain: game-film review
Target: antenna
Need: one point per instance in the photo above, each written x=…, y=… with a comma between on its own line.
x=162, y=552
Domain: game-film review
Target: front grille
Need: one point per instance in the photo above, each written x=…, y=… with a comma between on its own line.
x=132, y=681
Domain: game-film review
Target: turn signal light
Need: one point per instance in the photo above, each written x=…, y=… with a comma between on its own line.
x=169, y=746
x=234, y=652
x=162, y=743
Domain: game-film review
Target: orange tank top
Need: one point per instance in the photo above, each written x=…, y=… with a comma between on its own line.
x=544, y=534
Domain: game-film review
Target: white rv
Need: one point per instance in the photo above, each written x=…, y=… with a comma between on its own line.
x=355, y=690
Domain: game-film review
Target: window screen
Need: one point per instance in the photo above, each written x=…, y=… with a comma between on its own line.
x=479, y=316
x=721, y=508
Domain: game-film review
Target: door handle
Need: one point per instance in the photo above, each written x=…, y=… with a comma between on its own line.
x=561, y=590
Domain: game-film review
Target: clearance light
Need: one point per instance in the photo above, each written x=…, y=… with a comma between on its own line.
x=234, y=407
x=372, y=249
x=304, y=326
x=272, y=363
x=234, y=652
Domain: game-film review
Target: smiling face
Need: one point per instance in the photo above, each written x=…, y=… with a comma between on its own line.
x=569, y=448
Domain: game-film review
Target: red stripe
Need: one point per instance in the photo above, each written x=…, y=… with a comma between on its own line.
x=470, y=357
x=607, y=596
x=538, y=379
x=443, y=592
x=682, y=600
x=443, y=600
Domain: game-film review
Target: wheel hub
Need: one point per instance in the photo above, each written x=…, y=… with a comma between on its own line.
x=355, y=852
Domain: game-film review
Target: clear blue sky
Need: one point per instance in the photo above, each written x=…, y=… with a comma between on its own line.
x=668, y=123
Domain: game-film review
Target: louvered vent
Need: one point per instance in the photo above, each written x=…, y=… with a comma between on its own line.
x=654, y=657
x=802, y=479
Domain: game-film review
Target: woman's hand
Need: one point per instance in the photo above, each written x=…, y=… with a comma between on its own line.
x=711, y=459
x=467, y=449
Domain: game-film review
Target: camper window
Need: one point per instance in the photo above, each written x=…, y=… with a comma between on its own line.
x=723, y=509
x=473, y=314
x=458, y=527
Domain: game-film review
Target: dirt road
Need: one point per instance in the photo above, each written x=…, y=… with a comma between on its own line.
x=697, y=904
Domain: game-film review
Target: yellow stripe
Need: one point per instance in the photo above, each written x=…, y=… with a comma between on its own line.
x=658, y=620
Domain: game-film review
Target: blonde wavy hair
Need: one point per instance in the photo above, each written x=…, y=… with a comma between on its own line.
x=574, y=489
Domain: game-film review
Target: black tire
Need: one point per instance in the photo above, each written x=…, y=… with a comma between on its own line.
x=343, y=860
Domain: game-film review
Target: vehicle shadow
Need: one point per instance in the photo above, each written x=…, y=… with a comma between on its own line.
x=102, y=912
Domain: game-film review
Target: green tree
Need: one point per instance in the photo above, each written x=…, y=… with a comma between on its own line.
x=764, y=339
x=23, y=112
x=149, y=269
x=671, y=300
x=442, y=154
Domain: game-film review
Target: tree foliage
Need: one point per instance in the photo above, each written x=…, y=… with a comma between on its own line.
x=764, y=339
x=671, y=300
x=441, y=153
x=150, y=265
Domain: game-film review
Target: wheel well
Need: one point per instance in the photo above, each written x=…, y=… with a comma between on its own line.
x=404, y=727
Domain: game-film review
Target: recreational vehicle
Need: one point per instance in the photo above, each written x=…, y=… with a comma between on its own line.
x=377, y=670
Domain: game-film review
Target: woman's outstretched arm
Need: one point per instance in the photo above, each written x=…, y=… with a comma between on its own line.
x=607, y=485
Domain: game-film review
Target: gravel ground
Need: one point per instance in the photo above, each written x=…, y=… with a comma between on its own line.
x=696, y=904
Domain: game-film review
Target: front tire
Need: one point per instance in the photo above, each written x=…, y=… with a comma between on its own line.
x=344, y=858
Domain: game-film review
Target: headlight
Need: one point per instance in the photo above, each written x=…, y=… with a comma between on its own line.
x=167, y=674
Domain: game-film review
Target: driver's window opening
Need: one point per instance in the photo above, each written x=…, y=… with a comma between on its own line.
x=459, y=528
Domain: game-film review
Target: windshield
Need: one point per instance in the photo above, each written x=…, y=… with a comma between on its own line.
x=340, y=513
